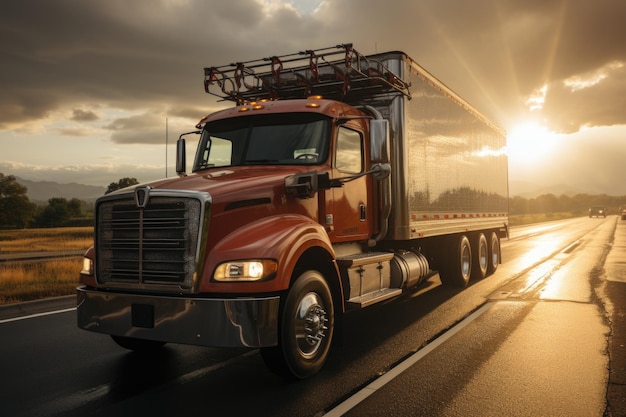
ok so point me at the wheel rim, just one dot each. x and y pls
(495, 253)
(466, 260)
(482, 254)
(311, 319)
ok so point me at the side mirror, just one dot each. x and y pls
(379, 141)
(181, 157)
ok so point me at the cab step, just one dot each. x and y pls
(373, 297)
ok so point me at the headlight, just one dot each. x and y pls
(250, 270)
(87, 267)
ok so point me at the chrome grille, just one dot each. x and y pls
(151, 246)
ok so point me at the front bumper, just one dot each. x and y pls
(219, 322)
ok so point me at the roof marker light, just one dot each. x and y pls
(201, 122)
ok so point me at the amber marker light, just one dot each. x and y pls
(312, 104)
(201, 122)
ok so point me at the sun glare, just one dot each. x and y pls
(529, 142)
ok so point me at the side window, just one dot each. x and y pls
(219, 153)
(349, 156)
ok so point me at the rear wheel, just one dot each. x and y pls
(494, 253)
(306, 328)
(457, 268)
(480, 263)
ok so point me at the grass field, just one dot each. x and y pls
(45, 240)
(25, 281)
(36, 280)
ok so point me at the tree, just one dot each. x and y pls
(122, 183)
(16, 210)
(58, 212)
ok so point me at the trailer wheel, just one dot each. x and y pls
(494, 253)
(480, 263)
(138, 345)
(458, 268)
(306, 329)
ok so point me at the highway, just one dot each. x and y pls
(529, 340)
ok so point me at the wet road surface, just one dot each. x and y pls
(534, 342)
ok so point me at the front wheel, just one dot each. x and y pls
(306, 328)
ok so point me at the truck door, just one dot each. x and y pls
(350, 209)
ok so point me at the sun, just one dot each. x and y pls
(529, 143)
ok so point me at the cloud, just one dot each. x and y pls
(80, 115)
(150, 128)
(144, 128)
(117, 70)
(75, 131)
(588, 100)
(144, 54)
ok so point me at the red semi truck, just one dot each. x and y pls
(336, 181)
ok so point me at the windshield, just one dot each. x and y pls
(283, 139)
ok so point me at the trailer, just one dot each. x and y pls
(334, 182)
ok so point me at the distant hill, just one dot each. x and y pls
(531, 190)
(45, 190)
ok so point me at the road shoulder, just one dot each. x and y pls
(614, 298)
(28, 308)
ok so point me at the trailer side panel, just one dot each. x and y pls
(450, 165)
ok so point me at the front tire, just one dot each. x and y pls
(306, 328)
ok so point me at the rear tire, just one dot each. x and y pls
(494, 253)
(480, 263)
(457, 268)
(306, 329)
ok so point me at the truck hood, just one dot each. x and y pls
(234, 184)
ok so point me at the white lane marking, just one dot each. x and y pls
(355, 399)
(32, 316)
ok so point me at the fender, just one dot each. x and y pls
(283, 238)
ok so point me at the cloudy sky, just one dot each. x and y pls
(87, 86)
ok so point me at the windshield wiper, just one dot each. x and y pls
(205, 166)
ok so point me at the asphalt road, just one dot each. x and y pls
(533, 339)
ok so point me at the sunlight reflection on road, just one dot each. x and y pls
(542, 249)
